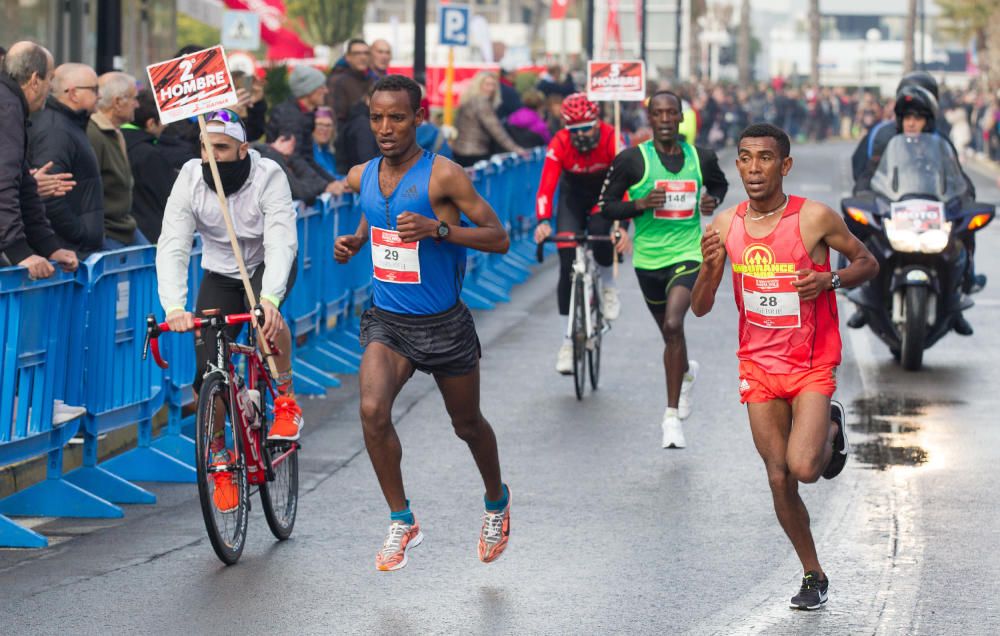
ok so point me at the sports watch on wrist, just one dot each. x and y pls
(442, 232)
(834, 281)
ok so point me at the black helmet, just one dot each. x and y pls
(922, 79)
(919, 100)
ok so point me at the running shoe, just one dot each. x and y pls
(673, 431)
(841, 447)
(402, 538)
(812, 594)
(226, 496)
(287, 419)
(496, 530)
(611, 307)
(564, 362)
(684, 405)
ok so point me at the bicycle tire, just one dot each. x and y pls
(229, 539)
(594, 351)
(579, 340)
(280, 498)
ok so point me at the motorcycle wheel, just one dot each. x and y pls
(914, 330)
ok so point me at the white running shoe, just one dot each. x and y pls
(673, 431)
(611, 307)
(564, 362)
(684, 404)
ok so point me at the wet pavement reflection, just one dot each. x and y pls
(888, 424)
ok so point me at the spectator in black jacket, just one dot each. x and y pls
(296, 116)
(355, 142)
(26, 238)
(59, 134)
(152, 173)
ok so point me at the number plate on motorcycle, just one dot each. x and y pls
(394, 261)
(917, 215)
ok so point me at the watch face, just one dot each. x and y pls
(442, 230)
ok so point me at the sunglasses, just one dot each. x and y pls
(580, 129)
(225, 115)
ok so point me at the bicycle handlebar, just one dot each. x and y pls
(579, 237)
(154, 330)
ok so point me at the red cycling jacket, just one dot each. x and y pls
(585, 172)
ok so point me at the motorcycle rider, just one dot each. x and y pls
(916, 111)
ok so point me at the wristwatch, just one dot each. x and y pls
(834, 281)
(442, 232)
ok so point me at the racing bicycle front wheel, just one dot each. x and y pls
(280, 497)
(579, 338)
(597, 322)
(221, 471)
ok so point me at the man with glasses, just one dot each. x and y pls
(58, 135)
(263, 215)
(670, 184)
(577, 160)
(350, 79)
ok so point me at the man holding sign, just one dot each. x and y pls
(790, 345)
(670, 184)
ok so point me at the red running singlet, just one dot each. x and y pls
(778, 332)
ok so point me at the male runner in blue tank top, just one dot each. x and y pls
(412, 202)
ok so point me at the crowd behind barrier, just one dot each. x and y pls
(78, 338)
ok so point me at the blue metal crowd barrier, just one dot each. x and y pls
(79, 338)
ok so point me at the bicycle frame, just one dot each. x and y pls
(585, 268)
(260, 467)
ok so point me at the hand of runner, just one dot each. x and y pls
(273, 322)
(624, 243)
(811, 283)
(713, 252)
(346, 246)
(66, 258)
(543, 231)
(708, 204)
(653, 200)
(180, 320)
(413, 227)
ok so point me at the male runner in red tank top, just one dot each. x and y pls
(779, 246)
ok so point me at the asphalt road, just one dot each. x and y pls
(610, 533)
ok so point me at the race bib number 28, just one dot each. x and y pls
(394, 261)
(772, 302)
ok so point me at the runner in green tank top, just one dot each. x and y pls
(670, 184)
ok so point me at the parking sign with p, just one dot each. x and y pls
(453, 25)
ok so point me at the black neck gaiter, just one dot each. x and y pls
(233, 174)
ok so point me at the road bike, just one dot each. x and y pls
(233, 417)
(586, 324)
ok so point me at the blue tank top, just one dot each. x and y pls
(419, 278)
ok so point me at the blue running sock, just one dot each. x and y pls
(500, 504)
(403, 515)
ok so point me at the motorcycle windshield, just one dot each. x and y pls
(923, 164)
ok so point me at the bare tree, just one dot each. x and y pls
(909, 32)
(744, 43)
(814, 36)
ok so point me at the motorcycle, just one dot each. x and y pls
(916, 217)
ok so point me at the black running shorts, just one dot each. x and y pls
(444, 344)
(657, 283)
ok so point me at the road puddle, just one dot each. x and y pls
(889, 424)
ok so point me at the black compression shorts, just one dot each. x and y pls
(657, 283)
(444, 344)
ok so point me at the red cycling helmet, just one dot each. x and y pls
(577, 109)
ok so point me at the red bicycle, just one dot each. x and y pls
(232, 419)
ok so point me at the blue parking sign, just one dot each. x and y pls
(453, 25)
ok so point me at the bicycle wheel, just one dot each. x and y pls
(280, 498)
(594, 350)
(227, 530)
(579, 339)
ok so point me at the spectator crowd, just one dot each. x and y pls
(86, 165)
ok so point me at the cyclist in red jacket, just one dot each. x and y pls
(577, 161)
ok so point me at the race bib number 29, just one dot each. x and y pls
(394, 261)
(772, 302)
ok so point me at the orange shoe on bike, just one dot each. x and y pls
(226, 495)
(287, 420)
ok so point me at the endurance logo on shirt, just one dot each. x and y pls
(758, 260)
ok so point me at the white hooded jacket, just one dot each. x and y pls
(264, 219)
